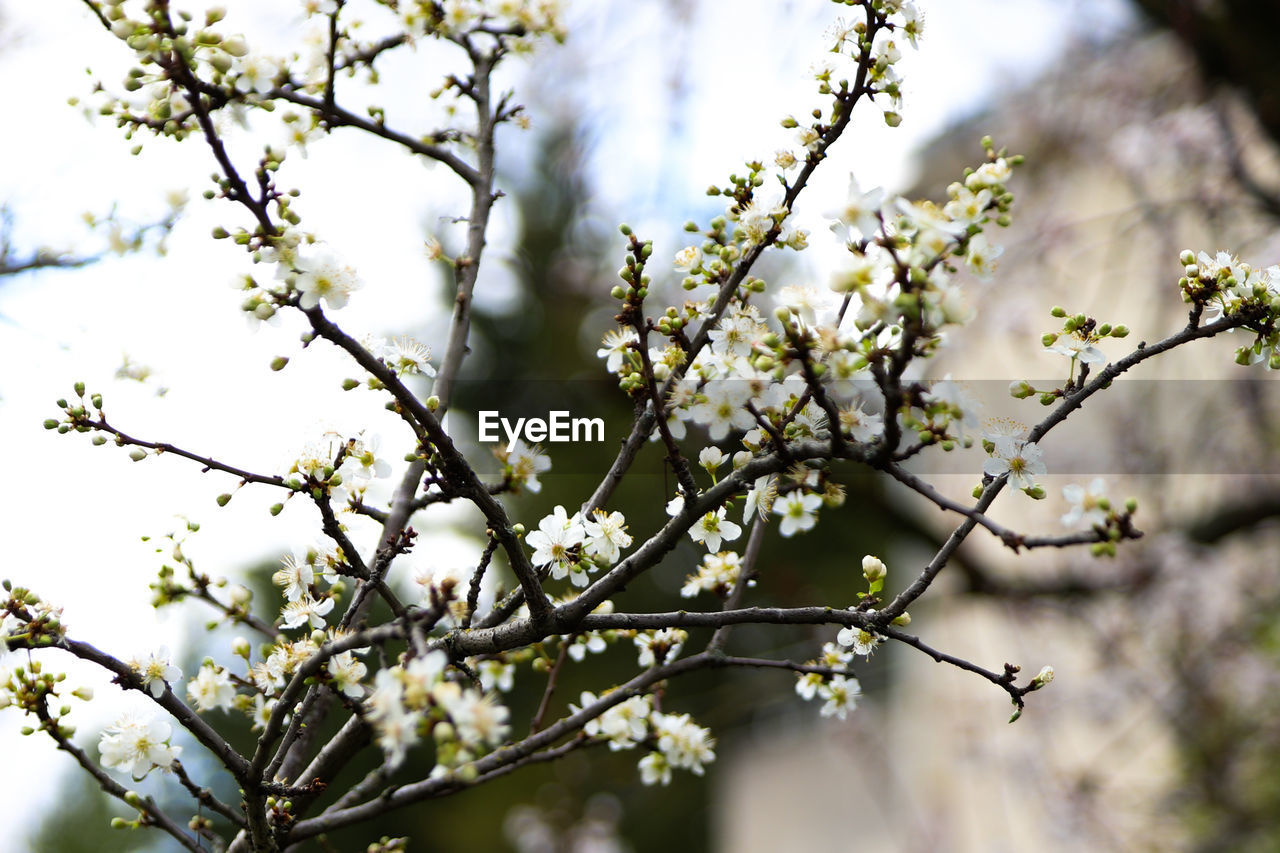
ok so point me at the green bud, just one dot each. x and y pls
(1121, 331)
(1058, 311)
(1104, 330)
(1035, 492)
(50, 423)
(349, 384)
(276, 509)
(1047, 399)
(224, 499)
(625, 229)
(433, 403)
(79, 386)
(1049, 339)
(1131, 506)
(278, 363)
(1187, 257)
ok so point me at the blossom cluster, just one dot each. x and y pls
(414, 698)
(574, 547)
(676, 741)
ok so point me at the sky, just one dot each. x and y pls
(675, 96)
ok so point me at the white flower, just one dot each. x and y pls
(797, 512)
(155, 671)
(989, 175)
(860, 212)
(588, 642)
(718, 574)
(841, 695)
(967, 206)
(138, 744)
(981, 257)
(407, 357)
(654, 769)
(807, 685)
(711, 458)
(758, 218)
(682, 742)
(322, 276)
(397, 732)
(526, 464)
(616, 344)
(1074, 345)
(1085, 504)
(362, 463)
(552, 542)
(723, 408)
(804, 302)
(211, 689)
(608, 535)
(346, 672)
(477, 719)
(859, 424)
(296, 576)
(658, 647)
(306, 610)
(964, 407)
(860, 640)
(688, 258)
(760, 498)
(712, 528)
(1021, 460)
(257, 74)
(866, 269)
(496, 675)
(625, 724)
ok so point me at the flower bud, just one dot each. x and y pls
(137, 454)
(873, 569)
(1021, 389)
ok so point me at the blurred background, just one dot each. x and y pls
(1149, 126)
